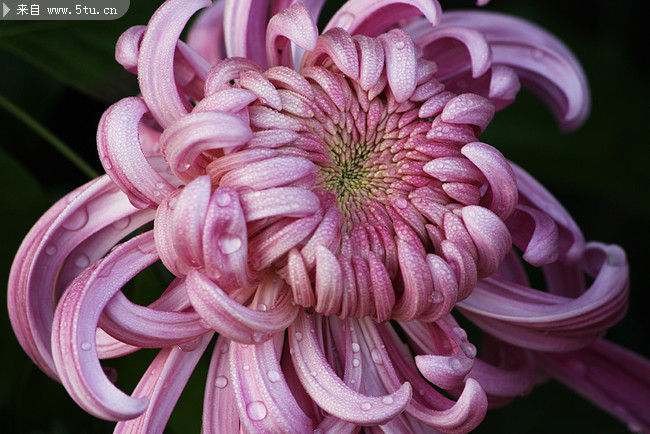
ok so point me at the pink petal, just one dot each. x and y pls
(156, 60)
(293, 24)
(372, 17)
(234, 320)
(328, 390)
(74, 324)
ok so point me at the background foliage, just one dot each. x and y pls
(63, 75)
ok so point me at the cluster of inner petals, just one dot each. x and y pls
(358, 181)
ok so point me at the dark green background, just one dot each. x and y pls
(64, 75)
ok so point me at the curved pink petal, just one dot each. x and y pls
(74, 324)
(244, 26)
(503, 192)
(220, 414)
(372, 17)
(156, 60)
(614, 378)
(400, 63)
(264, 399)
(78, 230)
(184, 141)
(206, 36)
(328, 390)
(335, 45)
(544, 321)
(571, 242)
(146, 327)
(293, 24)
(231, 319)
(542, 62)
(162, 384)
(122, 156)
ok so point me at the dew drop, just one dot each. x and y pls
(229, 244)
(77, 220)
(183, 167)
(247, 367)
(460, 332)
(106, 162)
(298, 336)
(220, 382)
(51, 250)
(469, 350)
(86, 346)
(223, 349)
(262, 307)
(314, 373)
(436, 297)
(274, 376)
(455, 364)
(223, 199)
(376, 356)
(387, 400)
(356, 363)
(366, 406)
(81, 260)
(122, 223)
(258, 337)
(400, 45)
(355, 347)
(256, 410)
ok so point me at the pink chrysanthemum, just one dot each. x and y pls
(323, 201)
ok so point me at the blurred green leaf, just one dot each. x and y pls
(78, 53)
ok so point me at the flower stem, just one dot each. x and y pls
(49, 137)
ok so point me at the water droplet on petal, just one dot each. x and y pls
(223, 199)
(122, 223)
(436, 297)
(366, 406)
(355, 362)
(376, 356)
(355, 347)
(258, 337)
(460, 332)
(262, 307)
(51, 250)
(387, 400)
(106, 162)
(247, 367)
(221, 382)
(469, 350)
(86, 346)
(298, 336)
(183, 167)
(229, 244)
(455, 364)
(314, 373)
(77, 220)
(256, 410)
(273, 376)
(81, 260)
(400, 45)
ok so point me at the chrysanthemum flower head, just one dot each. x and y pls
(321, 201)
